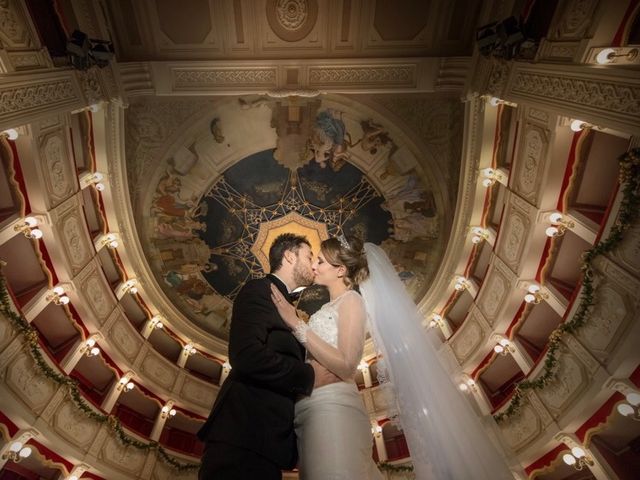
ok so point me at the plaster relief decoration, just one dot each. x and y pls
(493, 294)
(25, 98)
(467, 340)
(522, 429)
(124, 339)
(7, 332)
(14, 32)
(611, 313)
(124, 458)
(570, 380)
(159, 369)
(199, 393)
(55, 168)
(254, 167)
(77, 429)
(292, 20)
(162, 471)
(530, 166)
(573, 19)
(628, 253)
(29, 385)
(98, 295)
(75, 241)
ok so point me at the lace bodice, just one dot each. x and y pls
(325, 321)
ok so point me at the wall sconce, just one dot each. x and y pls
(504, 347)
(156, 322)
(226, 366)
(57, 296)
(436, 320)
(130, 287)
(631, 409)
(125, 384)
(28, 228)
(96, 180)
(189, 349)
(577, 459)
(17, 451)
(559, 225)
(167, 411)
(362, 366)
(489, 177)
(461, 283)
(10, 134)
(479, 234)
(468, 384)
(376, 429)
(495, 101)
(110, 240)
(608, 55)
(89, 348)
(535, 295)
(578, 125)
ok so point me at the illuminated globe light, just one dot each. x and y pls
(552, 231)
(498, 349)
(569, 459)
(578, 452)
(605, 56)
(633, 398)
(30, 221)
(463, 387)
(577, 125)
(530, 298)
(15, 447)
(36, 233)
(94, 351)
(11, 133)
(494, 101)
(625, 410)
(555, 217)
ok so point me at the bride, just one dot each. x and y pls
(444, 435)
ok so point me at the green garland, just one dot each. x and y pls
(389, 467)
(629, 177)
(31, 339)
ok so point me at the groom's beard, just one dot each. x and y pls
(303, 277)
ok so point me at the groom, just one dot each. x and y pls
(249, 433)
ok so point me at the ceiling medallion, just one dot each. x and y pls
(292, 13)
(292, 20)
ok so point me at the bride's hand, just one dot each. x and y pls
(285, 309)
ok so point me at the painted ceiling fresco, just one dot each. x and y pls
(239, 172)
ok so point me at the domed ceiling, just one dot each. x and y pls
(214, 180)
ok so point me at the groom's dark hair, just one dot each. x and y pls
(282, 243)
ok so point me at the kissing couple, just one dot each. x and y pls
(291, 399)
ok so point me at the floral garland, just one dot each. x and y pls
(31, 338)
(629, 177)
(389, 467)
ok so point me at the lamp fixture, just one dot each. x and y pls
(57, 296)
(534, 295)
(558, 225)
(125, 384)
(167, 411)
(96, 180)
(468, 384)
(89, 348)
(461, 283)
(577, 459)
(376, 429)
(489, 177)
(226, 366)
(156, 322)
(17, 451)
(436, 320)
(479, 234)
(10, 133)
(608, 55)
(631, 408)
(189, 349)
(110, 240)
(130, 287)
(28, 228)
(504, 347)
(362, 366)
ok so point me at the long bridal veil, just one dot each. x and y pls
(445, 437)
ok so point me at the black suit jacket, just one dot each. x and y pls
(255, 406)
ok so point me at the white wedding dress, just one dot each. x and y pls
(332, 425)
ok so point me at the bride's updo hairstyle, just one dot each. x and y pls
(352, 257)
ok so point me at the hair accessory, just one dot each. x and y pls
(343, 241)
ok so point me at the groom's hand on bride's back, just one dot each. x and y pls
(322, 375)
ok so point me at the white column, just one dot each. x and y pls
(151, 324)
(379, 441)
(161, 419)
(187, 350)
(116, 389)
(366, 375)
